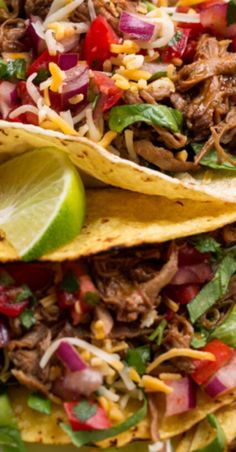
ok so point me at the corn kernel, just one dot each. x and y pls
(169, 376)
(77, 307)
(182, 156)
(104, 403)
(76, 99)
(117, 365)
(142, 84)
(177, 61)
(170, 71)
(172, 305)
(97, 328)
(133, 61)
(133, 374)
(110, 378)
(85, 355)
(116, 415)
(135, 74)
(127, 47)
(133, 87)
(153, 384)
(121, 82)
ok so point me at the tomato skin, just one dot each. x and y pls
(183, 294)
(177, 49)
(26, 118)
(35, 276)
(110, 93)
(206, 369)
(99, 421)
(98, 40)
(42, 62)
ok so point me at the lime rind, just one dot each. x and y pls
(42, 202)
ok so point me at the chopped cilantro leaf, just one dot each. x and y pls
(206, 244)
(70, 282)
(24, 294)
(231, 12)
(158, 332)
(176, 38)
(84, 410)
(92, 298)
(13, 69)
(38, 403)
(138, 357)
(5, 278)
(27, 319)
(42, 75)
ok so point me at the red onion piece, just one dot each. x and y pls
(193, 274)
(4, 335)
(75, 384)
(223, 380)
(76, 82)
(183, 397)
(70, 357)
(135, 27)
(36, 43)
(67, 60)
(8, 98)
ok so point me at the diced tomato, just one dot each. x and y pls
(206, 369)
(12, 309)
(188, 255)
(213, 17)
(36, 276)
(98, 40)
(183, 294)
(190, 51)
(195, 29)
(169, 314)
(86, 295)
(42, 62)
(98, 421)
(28, 118)
(110, 93)
(176, 47)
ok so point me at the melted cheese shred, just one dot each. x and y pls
(176, 352)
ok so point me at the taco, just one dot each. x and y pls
(132, 340)
(141, 97)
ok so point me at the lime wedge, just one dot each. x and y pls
(42, 202)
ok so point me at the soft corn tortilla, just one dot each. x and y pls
(116, 218)
(111, 169)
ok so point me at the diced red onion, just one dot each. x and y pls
(183, 397)
(76, 82)
(223, 380)
(67, 60)
(193, 274)
(8, 98)
(75, 384)
(4, 335)
(135, 27)
(70, 357)
(70, 43)
(37, 43)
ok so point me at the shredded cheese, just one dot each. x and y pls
(189, 2)
(91, 10)
(124, 374)
(110, 358)
(57, 77)
(129, 141)
(23, 109)
(110, 395)
(52, 44)
(169, 376)
(156, 447)
(46, 97)
(63, 12)
(107, 139)
(175, 352)
(135, 74)
(153, 384)
(31, 88)
(128, 46)
(66, 115)
(94, 133)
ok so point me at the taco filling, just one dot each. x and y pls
(154, 85)
(124, 336)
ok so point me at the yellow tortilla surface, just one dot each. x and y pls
(119, 218)
(113, 170)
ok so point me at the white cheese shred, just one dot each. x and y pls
(63, 12)
(107, 357)
(103, 391)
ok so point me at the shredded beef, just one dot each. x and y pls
(12, 32)
(161, 157)
(13, 8)
(179, 335)
(38, 8)
(229, 234)
(31, 382)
